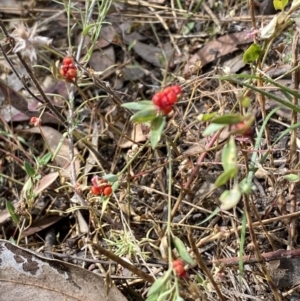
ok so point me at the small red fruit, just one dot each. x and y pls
(166, 110)
(164, 102)
(71, 74)
(177, 90)
(156, 99)
(179, 268)
(95, 190)
(168, 89)
(172, 97)
(35, 121)
(62, 72)
(107, 191)
(67, 61)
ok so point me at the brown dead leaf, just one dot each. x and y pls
(41, 224)
(28, 276)
(45, 182)
(217, 48)
(136, 134)
(107, 35)
(102, 60)
(285, 272)
(14, 100)
(53, 139)
(154, 55)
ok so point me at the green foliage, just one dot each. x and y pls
(212, 128)
(160, 283)
(147, 113)
(12, 212)
(139, 106)
(252, 53)
(29, 169)
(230, 198)
(228, 119)
(182, 251)
(280, 4)
(144, 115)
(111, 178)
(157, 127)
(292, 177)
(229, 163)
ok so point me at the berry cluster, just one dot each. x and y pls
(165, 99)
(100, 187)
(68, 69)
(179, 268)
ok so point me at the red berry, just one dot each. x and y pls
(166, 110)
(177, 90)
(168, 89)
(172, 97)
(179, 268)
(67, 61)
(107, 191)
(95, 190)
(156, 99)
(164, 102)
(35, 121)
(71, 74)
(177, 262)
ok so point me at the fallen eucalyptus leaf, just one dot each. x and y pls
(28, 276)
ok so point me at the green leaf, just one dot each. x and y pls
(188, 27)
(115, 186)
(152, 297)
(45, 159)
(28, 185)
(11, 210)
(264, 92)
(29, 169)
(111, 178)
(252, 53)
(246, 187)
(230, 198)
(292, 177)
(160, 283)
(206, 117)
(105, 201)
(228, 119)
(215, 212)
(138, 106)
(183, 253)
(157, 127)
(280, 4)
(225, 177)
(163, 296)
(144, 116)
(229, 155)
(212, 128)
